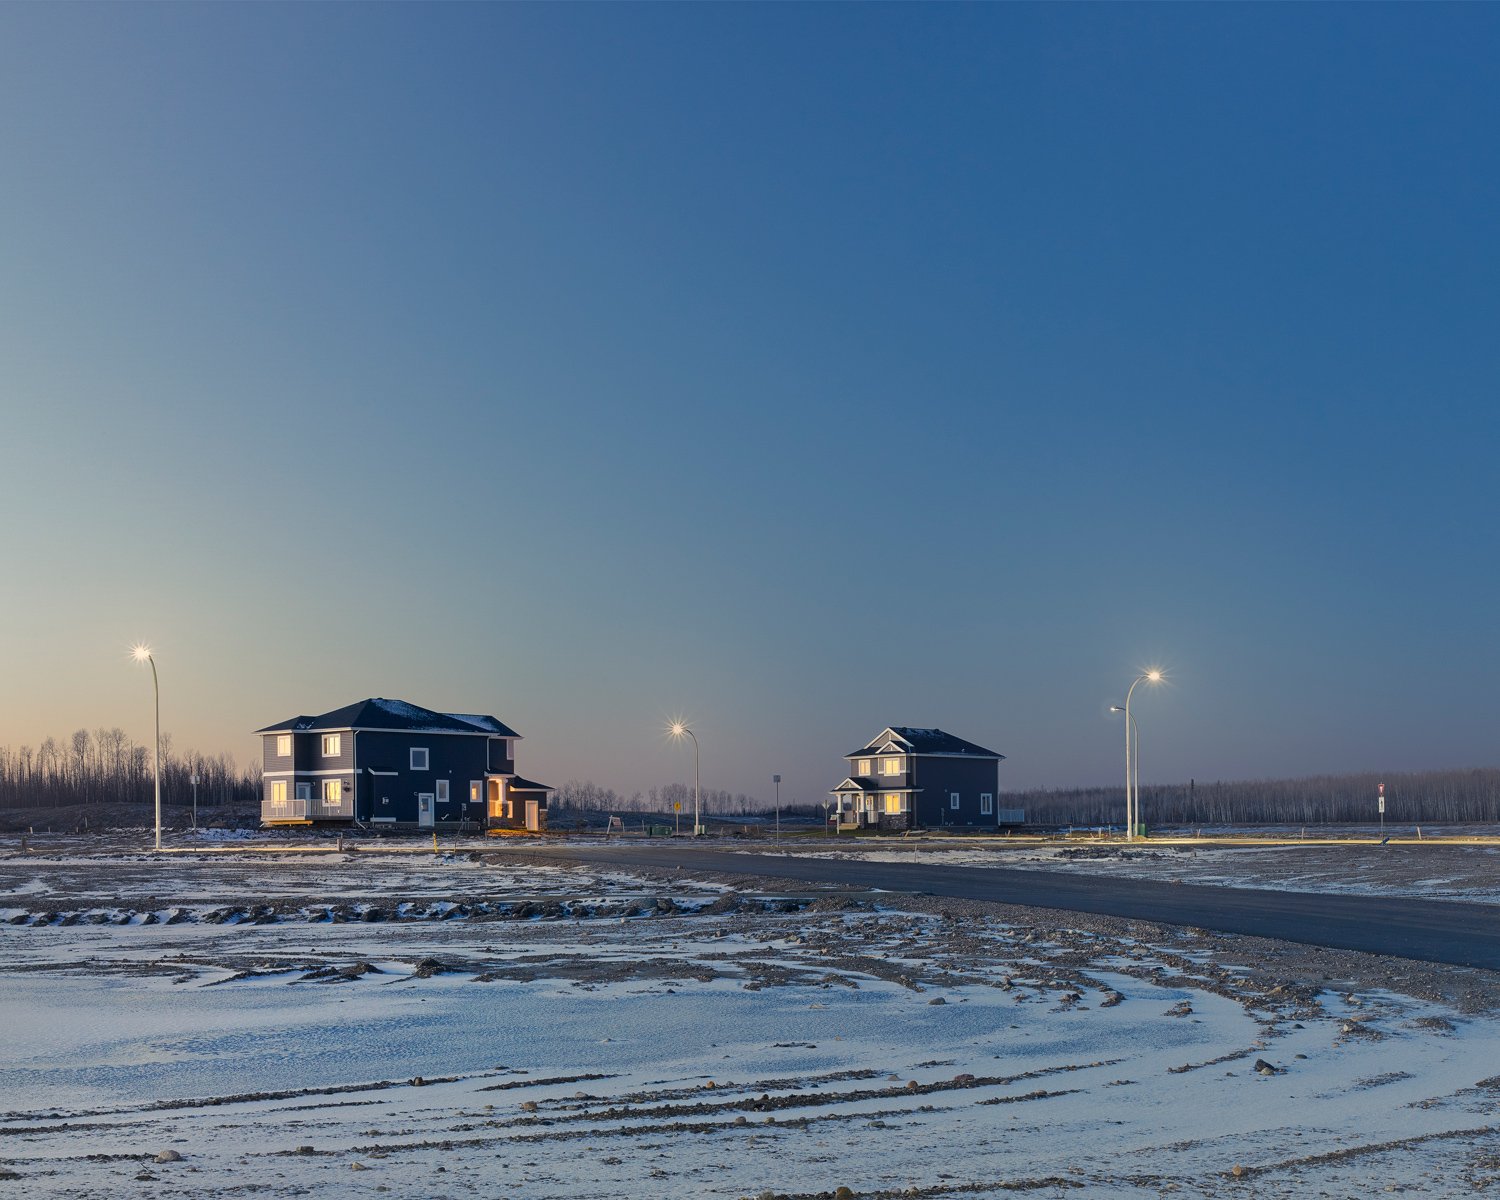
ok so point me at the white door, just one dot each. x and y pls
(424, 809)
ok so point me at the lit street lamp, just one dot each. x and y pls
(142, 653)
(1132, 798)
(678, 729)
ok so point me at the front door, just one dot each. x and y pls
(424, 809)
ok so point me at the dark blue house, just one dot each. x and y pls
(908, 778)
(386, 762)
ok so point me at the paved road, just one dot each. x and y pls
(1430, 930)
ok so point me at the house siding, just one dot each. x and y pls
(939, 776)
(501, 761)
(458, 758)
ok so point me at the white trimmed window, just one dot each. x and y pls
(986, 804)
(332, 744)
(333, 791)
(952, 799)
(283, 745)
(892, 766)
(278, 791)
(864, 767)
(893, 802)
(442, 791)
(419, 758)
(475, 793)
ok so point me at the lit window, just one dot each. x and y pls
(892, 766)
(284, 745)
(864, 767)
(952, 799)
(333, 790)
(419, 758)
(442, 791)
(473, 791)
(986, 803)
(278, 791)
(331, 744)
(893, 802)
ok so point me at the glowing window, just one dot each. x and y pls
(893, 802)
(864, 767)
(331, 744)
(278, 791)
(284, 745)
(892, 766)
(333, 790)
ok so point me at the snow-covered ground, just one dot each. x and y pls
(1433, 871)
(476, 1026)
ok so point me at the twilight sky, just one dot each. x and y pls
(798, 370)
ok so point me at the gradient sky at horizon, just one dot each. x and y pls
(796, 370)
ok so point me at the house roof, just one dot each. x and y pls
(917, 740)
(858, 783)
(380, 713)
(489, 724)
(517, 784)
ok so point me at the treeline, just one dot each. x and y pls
(590, 797)
(106, 767)
(1410, 798)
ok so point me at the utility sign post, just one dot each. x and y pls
(1381, 803)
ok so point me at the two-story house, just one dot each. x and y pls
(907, 778)
(386, 762)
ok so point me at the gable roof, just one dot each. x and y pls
(918, 740)
(380, 713)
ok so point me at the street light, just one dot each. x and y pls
(678, 729)
(1135, 782)
(1132, 800)
(142, 653)
(776, 779)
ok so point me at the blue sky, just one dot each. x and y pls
(799, 370)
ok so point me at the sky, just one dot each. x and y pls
(794, 370)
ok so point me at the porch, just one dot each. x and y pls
(513, 804)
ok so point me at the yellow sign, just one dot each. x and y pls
(676, 805)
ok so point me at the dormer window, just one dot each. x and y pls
(332, 743)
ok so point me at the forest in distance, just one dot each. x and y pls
(105, 767)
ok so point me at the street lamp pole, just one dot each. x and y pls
(1132, 760)
(776, 779)
(143, 654)
(1132, 798)
(678, 729)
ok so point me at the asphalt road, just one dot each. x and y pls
(1430, 930)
